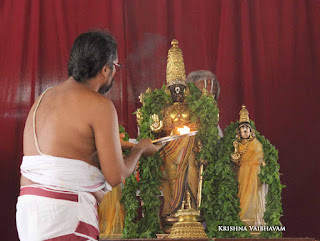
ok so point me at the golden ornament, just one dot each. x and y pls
(187, 225)
(148, 91)
(244, 115)
(176, 73)
(139, 116)
(141, 97)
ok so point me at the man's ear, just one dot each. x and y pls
(106, 71)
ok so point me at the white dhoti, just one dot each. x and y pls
(61, 207)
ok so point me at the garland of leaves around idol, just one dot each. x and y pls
(149, 184)
(270, 175)
(131, 205)
(220, 202)
(222, 187)
(204, 112)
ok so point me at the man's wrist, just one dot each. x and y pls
(137, 149)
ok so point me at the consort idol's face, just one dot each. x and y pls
(245, 131)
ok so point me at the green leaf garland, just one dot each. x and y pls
(270, 174)
(204, 112)
(221, 202)
(131, 204)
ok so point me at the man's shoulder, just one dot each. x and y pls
(83, 103)
(101, 110)
(102, 103)
(93, 99)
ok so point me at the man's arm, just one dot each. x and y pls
(106, 133)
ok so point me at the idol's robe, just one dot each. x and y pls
(111, 214)
(179, 174)
(252, 193)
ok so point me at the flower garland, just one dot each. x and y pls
(204, 112)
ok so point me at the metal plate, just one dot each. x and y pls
(172, 138)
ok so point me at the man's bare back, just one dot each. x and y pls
(74, 124)
(74, 121)
(64, 123)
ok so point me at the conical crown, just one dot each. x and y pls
(244, 115)
(176, 73)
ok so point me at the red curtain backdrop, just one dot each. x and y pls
(265, 54)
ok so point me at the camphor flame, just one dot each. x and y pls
(184, 130)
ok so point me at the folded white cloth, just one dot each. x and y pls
(75, 175)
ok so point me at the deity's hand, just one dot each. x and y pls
(157, 124)
(199, 145)
(155, 118)
(125, 145)
(200, 162)
(236, 155)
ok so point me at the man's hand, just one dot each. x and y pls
(147, 148)
(125, 145)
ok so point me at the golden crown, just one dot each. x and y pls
(176, 73)
(244, 115)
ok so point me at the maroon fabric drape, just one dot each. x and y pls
(265, 54)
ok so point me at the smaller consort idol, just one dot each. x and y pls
(248, 154)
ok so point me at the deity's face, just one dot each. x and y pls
(208, 84)
(177, 91)
(245, 131)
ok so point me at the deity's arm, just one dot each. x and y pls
(198, 146)
(235, 156)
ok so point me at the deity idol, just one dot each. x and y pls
(179, 170)
(249, 156)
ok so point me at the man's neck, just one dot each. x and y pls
(93, 83)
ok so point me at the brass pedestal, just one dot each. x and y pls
(167, 223)
(187, 225)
